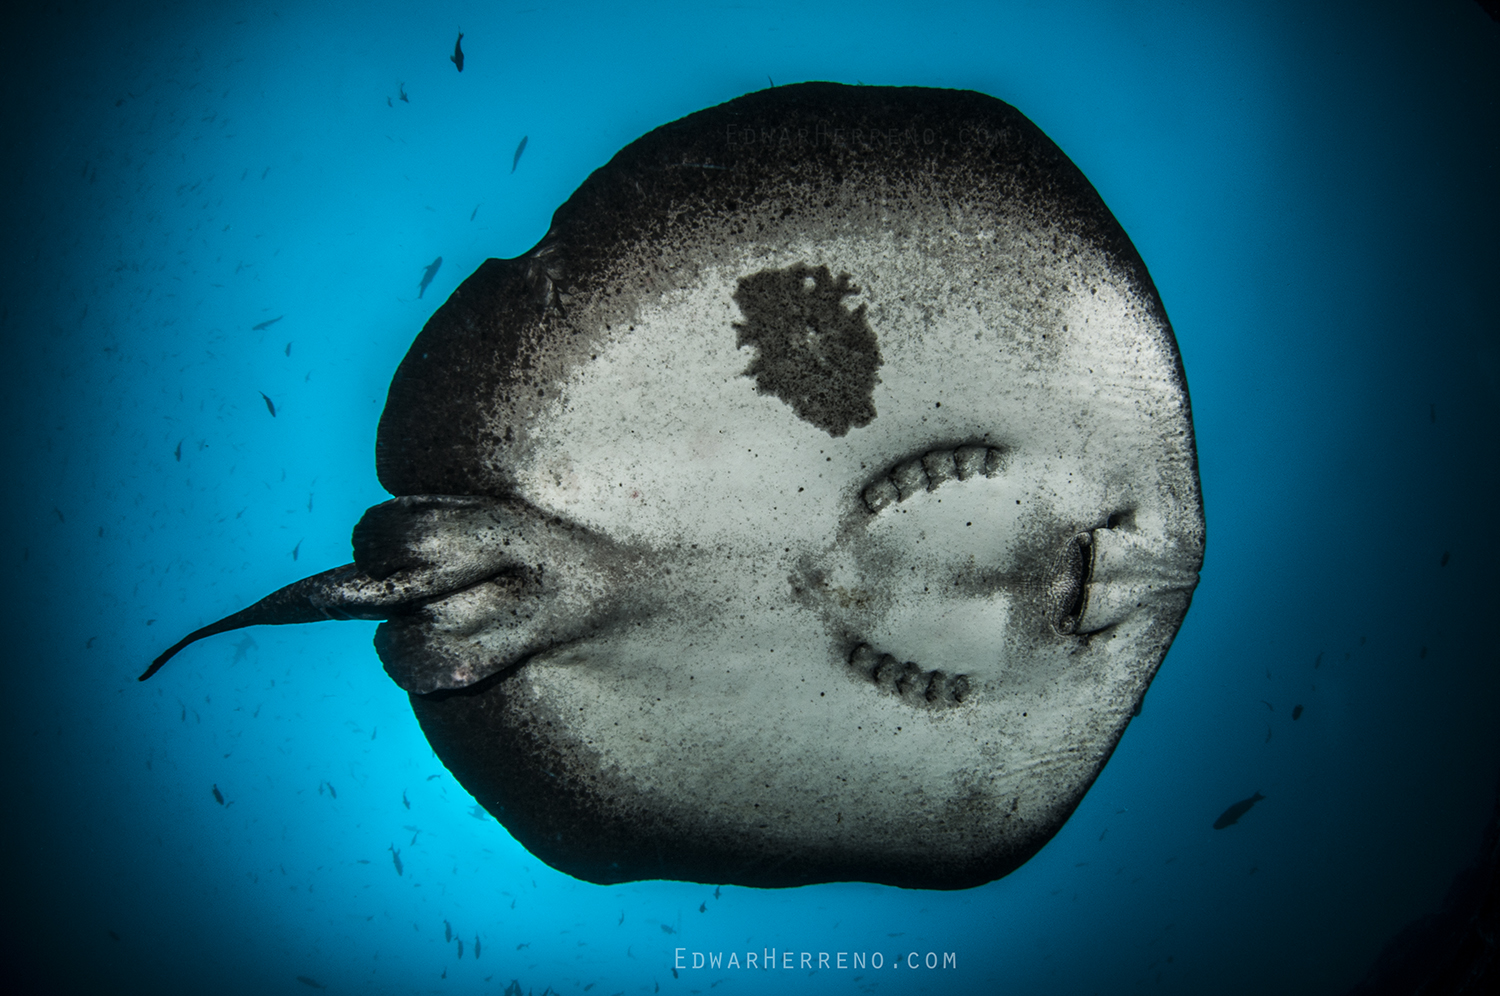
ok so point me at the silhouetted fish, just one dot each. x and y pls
(460, 947)
(311, 982)
(668, 930)
(1296, 712)
(476, 206)
(218, 796)
(178, 451)
(1232, 815)
(402, 88)
(429, 272)
(457, 58)
(404, 800)
(516, 161)
(269, 406)
(396, 858)
(447, 932)
(266, 324)
(476, 947)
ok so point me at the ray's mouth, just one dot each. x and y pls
(1067, 581)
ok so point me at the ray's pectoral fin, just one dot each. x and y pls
(468, 585)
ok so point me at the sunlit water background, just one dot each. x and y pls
(1313, 189)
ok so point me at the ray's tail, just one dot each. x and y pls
(322, 596)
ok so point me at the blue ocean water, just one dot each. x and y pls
(1313, 187)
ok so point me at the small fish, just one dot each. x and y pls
(622, 918)
(310, 982)
(396, 858)
(90, 645)
(525, 945)
(61, 519)
(388, 102)
(374, 730)
(703, 907)
(1267, 705)
(269, 406)
(402, 88)
(1296, 712)
(1319, 661)
(331, 791)
(218, 796)
(674, 973)
(457, 58)
(178, 451)
(665, 929)
(445, 972)
(475, 212)
(1232, 815)
(363, 861)
(289, 349)
(296, 548)
(770, 81)
(266, 324)
(428, 273)
(1103, 832)
(460, 948)
(476, 947)
(404, 800)
(1441, 563)
(516, 161)
(431, 777)
(478, 812)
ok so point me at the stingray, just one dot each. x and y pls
(815, 502)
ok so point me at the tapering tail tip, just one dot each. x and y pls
(341, 593)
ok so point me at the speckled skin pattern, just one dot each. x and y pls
(814, 503)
